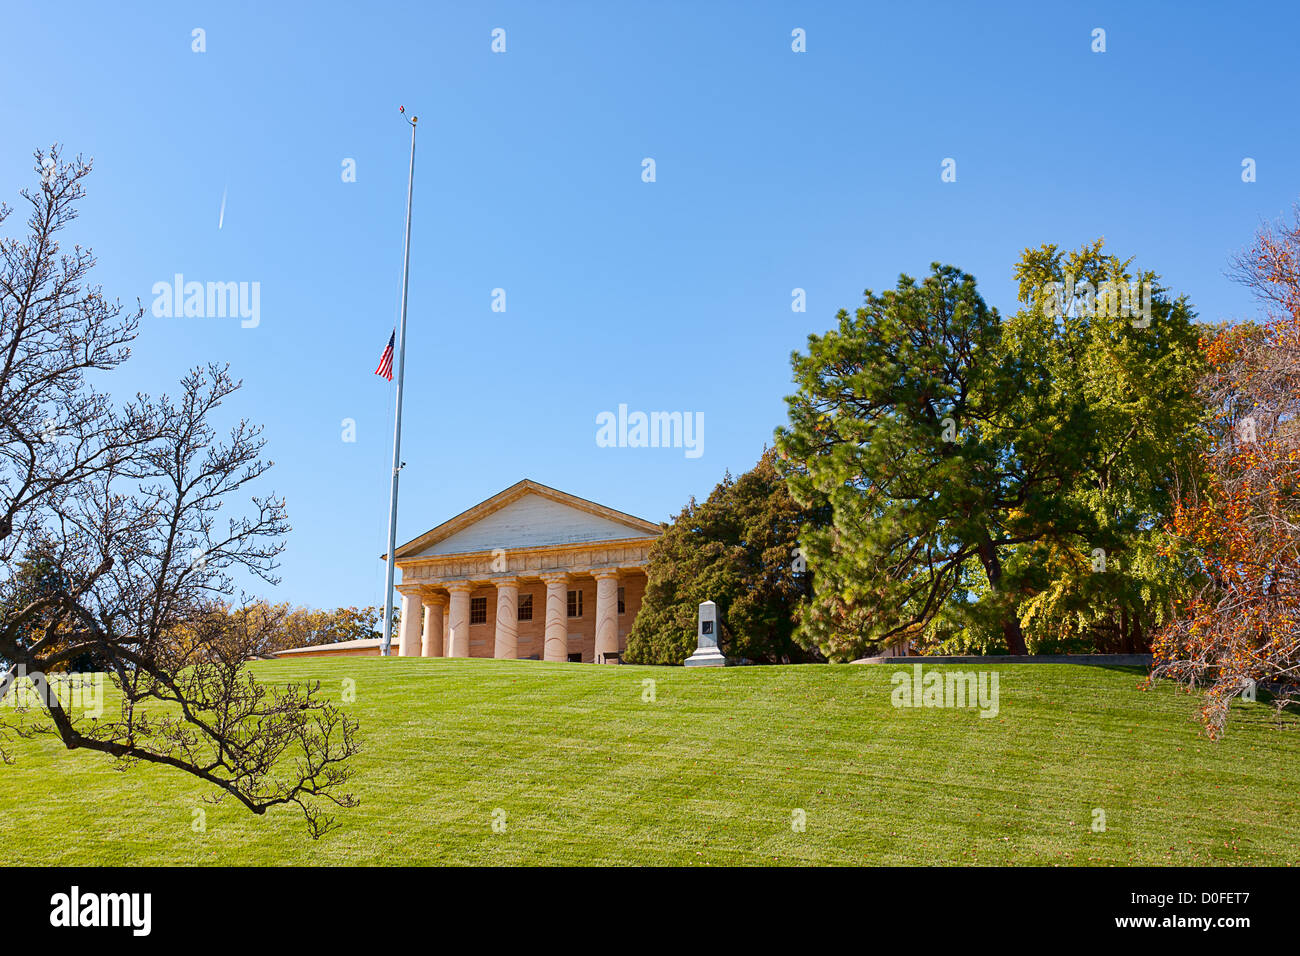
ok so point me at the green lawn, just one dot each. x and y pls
(710, 773)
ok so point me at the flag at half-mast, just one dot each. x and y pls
(386, 360)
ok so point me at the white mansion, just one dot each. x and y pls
(531, 572)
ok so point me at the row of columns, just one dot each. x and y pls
(443, 629)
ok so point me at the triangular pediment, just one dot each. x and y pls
(527, 515)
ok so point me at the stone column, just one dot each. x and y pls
(457, 637)
(606, 612)
(408, 638)
(432, 645)
(557, 616)
(507, 637)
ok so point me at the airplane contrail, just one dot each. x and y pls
(222, 218)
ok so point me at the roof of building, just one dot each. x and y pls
(337, 646)
(629, 526)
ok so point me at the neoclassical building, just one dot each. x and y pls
(531, 572)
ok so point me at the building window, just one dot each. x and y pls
(478, 610)
(575, 604)
(525, 607)
(622, 607)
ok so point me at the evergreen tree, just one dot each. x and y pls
(959, 455)
(35, 576)
(738, 549)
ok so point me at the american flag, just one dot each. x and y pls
(386, 360)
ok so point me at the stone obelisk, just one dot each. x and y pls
(706, 639)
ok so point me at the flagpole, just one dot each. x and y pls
(386, 648)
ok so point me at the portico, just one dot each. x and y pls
(532, 572)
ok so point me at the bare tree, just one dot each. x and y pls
(116, 507)
(1241, 526)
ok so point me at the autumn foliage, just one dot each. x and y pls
(259, 628)
(1241, 631)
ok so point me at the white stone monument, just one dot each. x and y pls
(706, 639)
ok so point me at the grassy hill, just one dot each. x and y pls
(710, 772)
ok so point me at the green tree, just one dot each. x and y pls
(1112, 584)
(35, 577)
(738, 549)
(956, 452)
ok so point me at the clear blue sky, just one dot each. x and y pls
(775, 170)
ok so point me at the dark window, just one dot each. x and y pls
(478, 610)
(525, 607)
(622, 608)
(575, 604)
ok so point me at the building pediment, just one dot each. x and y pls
(527, 515)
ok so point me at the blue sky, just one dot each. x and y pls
(774, 170)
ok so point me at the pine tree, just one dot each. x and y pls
(954, 451)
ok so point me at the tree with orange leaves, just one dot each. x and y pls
(1242, 526)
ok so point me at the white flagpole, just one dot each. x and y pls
(386, 648)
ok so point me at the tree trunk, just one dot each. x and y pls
(1015, 637)
(1011, 631)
